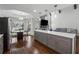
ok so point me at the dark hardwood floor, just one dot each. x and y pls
(43, 49)
(35, 48)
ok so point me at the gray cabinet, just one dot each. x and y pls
(42, 37)
(57, 43)
(61, 44)
(64, 45)
(51, 41)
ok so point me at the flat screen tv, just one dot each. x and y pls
(44, 22)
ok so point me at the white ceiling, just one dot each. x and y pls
(28, 8)
(14, 13)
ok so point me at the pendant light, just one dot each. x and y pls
(75, 6)
(59, 11)
(55, 11)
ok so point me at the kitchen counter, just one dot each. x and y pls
(69, 35)
(59, 41)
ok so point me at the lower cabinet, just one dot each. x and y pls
(41, 37)
(57, 43)
(52, 42)
(60, 44)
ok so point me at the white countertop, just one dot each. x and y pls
(68, 35)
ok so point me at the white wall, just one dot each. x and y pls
(69, 18)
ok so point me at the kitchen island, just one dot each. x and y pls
(59, 41)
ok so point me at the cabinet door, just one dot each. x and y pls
(63, 45)
(36, 35)
(52, 41)
(44, 38)
(41, 37)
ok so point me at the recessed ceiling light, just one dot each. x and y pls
(34, 10)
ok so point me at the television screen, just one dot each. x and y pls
(44, 22)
